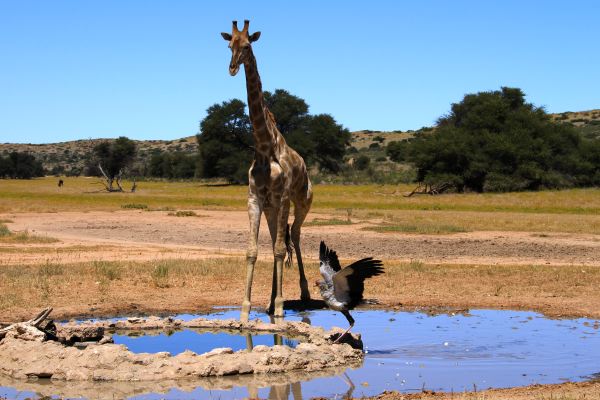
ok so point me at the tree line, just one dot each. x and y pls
(20, 165)
(489, 142)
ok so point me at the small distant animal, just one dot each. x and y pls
(342, 289)
(60, 183)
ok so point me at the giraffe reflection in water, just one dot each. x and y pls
(283, 391)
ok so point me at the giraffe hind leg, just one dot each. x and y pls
(271, 217)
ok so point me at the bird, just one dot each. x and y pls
(342, 289)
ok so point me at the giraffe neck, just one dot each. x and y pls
(264, 138)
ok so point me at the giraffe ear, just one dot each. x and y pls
(254, 37)
(226, 36)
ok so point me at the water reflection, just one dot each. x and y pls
(260, 386)
(197, 340)
(405, 351)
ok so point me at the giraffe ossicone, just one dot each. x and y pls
(277, 177)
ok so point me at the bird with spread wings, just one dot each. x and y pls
(342, 289)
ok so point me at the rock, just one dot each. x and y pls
(219, 351)
(103, 361)
(73, 334)
(26, 332)
(106, 339)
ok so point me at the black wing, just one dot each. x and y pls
(349, 283)
(329, 257)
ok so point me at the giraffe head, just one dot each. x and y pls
(239, 43)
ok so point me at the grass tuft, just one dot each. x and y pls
(323, 222)
(4, 231)
(418, 229)
(137, 206)
(7, 236)
(160, 275)
(183, 214)
(107, 270)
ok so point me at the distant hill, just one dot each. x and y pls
(587, 122)
(72, 156)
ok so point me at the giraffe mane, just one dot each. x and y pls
(270, 116)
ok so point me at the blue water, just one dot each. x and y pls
(197, 341)
(409, 351)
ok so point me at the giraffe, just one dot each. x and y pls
(277, 176)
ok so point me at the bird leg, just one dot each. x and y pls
(350, 320)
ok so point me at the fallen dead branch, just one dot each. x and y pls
(29, 328)
(424, 188)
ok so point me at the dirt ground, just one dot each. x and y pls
(142, 235)
(146, 236)
(556, 274)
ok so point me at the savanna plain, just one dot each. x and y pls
(179, 247)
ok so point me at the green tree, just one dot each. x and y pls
(112, 159)
(496, 141)
(329, 141)
(172, 165)
(362, 162)
(225, 137)
(319, 139)
(225, 142)
(397, 150)
(289, 110)
(20, 165)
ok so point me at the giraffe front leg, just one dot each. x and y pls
(279, 252)
(254, 213)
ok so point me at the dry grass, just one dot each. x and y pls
(470, 221)
(560, 290)
(6, 236)
(180, 285)
(573, 211)
(565, 391)
(328, 221)
(80, 194)
(429, 229)
(184, 213)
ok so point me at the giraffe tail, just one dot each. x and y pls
(289, 247)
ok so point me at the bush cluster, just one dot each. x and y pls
(495, 141)
(20, 165)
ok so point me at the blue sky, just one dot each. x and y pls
(150, 69)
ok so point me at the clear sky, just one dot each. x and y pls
(149, 69)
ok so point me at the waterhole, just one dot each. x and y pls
(198, 341)
(404, 351)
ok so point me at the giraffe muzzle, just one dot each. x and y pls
(233, 69)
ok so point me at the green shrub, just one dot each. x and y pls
(135, 206)
(4, 231)
(362, 162)
(183, 214)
